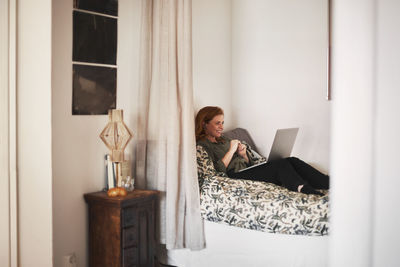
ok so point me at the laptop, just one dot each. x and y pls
(281, 147)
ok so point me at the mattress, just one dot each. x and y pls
(258, 205)
(237, 247)
(251, 223)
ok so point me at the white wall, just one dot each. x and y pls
(77, 149)
(212, 82)
(34, 137)
(386, 134)
(279, 73)
(365, 134)
(353, 85)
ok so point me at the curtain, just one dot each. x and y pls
(166, 147)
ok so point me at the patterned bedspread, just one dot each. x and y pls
(259, 205)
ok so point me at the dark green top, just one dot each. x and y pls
(216, 151)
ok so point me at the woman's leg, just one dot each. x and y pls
(315, 178)
(280, 172)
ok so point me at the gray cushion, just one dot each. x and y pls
(242, 135)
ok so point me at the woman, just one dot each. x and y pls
(230, 156)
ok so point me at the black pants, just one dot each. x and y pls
(288, 172)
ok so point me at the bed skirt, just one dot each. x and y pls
(237, 247)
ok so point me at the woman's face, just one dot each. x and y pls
(215, 127)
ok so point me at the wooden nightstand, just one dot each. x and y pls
(121, 229)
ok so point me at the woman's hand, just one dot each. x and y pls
(232, 150)
(234, 145)
(242, 151)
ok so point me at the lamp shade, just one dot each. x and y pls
(116, 135)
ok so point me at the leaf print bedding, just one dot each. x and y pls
(259, 205)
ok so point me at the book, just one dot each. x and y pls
(117, 173)
(110, 173)
(105, 172)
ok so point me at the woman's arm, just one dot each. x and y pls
(228, 156)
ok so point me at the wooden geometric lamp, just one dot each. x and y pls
(116, 135)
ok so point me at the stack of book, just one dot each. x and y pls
(116, 172)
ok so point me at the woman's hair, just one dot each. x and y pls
(205, 115)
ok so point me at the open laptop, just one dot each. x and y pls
(281, 147)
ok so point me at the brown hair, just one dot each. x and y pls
(205, 115)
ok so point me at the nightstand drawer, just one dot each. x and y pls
(129, 216)
(130, 258)
(129, 237)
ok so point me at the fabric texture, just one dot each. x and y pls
(166, 150)
(259, 205)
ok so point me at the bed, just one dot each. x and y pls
(229, 246)
(251, 223)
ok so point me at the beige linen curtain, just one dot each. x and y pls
(166, 155)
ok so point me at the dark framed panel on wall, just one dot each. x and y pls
(94, 56)
(94, 90)
(94, 38)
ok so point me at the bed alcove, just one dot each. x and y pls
(265, 64)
